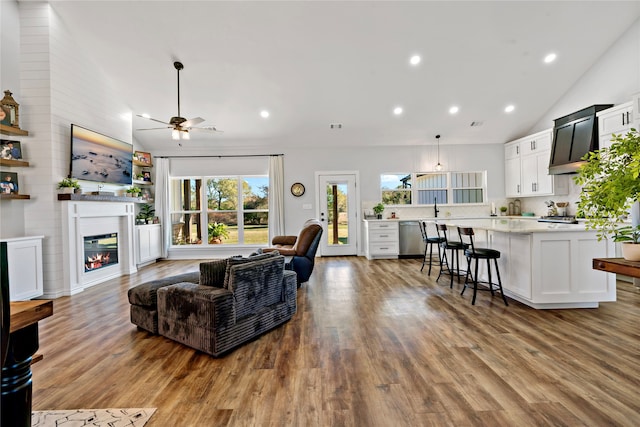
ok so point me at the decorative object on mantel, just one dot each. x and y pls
(68, 186)
(610, 183)
(9, 114)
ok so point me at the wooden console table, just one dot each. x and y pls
(618, 266)
(16, 372)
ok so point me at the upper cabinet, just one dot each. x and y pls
(615, 120)
(527, 168)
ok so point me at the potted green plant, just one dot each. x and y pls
(133, 191)
(68, 185)
(503, 210)
(610, 183)
(217, 231)
(378, 209)
(146, 213)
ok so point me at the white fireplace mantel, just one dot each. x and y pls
(88, 218)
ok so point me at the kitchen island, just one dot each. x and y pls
(546, 265)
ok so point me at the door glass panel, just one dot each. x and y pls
(337, 212)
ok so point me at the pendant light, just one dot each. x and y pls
(438, 166)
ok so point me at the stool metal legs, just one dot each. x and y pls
(490, 284)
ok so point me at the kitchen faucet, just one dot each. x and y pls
(435, 207)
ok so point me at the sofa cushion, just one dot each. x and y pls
(212, 273)
(146, 293)
(240, 260)
(257, 285)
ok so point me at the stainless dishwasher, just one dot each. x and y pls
(411, 245)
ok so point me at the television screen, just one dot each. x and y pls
(97, 157)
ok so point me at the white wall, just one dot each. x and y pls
(57, 86)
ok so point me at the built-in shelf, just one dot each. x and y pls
(14, 197)
(143, 164)
(99, 198)
(14, 163)
(10, 130)
(141, 182)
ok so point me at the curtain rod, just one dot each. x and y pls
(219, 156)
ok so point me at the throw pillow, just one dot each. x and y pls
(213, 273)
(238, 260)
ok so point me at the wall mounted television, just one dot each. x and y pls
(97, 157)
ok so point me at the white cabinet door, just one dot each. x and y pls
(519, 280)
(544, 183)
(615, 120)
(529, 175)
(148, 241)
(512, 177)
(24, 259)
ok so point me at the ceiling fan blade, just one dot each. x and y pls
(192, 122)
(208, 129)
(166, 127)
(154, 120)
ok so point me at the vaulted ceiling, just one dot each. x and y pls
(312, 64)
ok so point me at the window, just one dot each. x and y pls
(396, 189)
(237, 210)
(433, 187)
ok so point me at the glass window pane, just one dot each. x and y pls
(255, 193)
(186, 194)
(222, 194)
(395, 181)
(337, 222)
(399, 197)
(256, 228)
(222, 227)
(185, 229)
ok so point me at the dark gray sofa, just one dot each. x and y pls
(231, 302)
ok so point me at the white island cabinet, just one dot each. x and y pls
(381, 239)
(23, 256)
(547, 265)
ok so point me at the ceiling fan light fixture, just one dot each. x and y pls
(175, 134)
(185, 134)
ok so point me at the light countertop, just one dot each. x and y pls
(501, 224)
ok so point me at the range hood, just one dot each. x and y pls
(574, 135)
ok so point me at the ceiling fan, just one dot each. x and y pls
(179, 125)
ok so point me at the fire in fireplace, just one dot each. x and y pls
(100, 251)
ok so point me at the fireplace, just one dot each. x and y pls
(100, 251)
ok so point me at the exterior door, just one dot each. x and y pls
(338, 214)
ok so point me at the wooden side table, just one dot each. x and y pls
(618, 266)
(16, 372)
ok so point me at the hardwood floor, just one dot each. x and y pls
(374, 343)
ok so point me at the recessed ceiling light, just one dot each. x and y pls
(454, 110)
(550, 58)
(264, 114)
(415, 60)
(509, 108)
(145, 115)
(397, 111)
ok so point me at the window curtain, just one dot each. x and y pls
(162, 202)
(276, 196)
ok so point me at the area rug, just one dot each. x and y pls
(120, 417)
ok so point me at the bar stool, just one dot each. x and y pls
(454, 248)
(429, 241)
(466, 235)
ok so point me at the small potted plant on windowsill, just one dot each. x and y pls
(217, 231)
(610, 183)
(378, 209)
(68, 186)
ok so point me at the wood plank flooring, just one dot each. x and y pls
(374, 343)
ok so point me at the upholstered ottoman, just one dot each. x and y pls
(144, 299)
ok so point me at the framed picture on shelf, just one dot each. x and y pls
(8, 182)
(146, 195)
(10, 150)
(146, 175)
(142, 157)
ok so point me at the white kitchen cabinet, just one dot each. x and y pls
(24, 267)
(615, 120)
(635, 101)
(527, 168)
(381, 239)
(148, 243)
